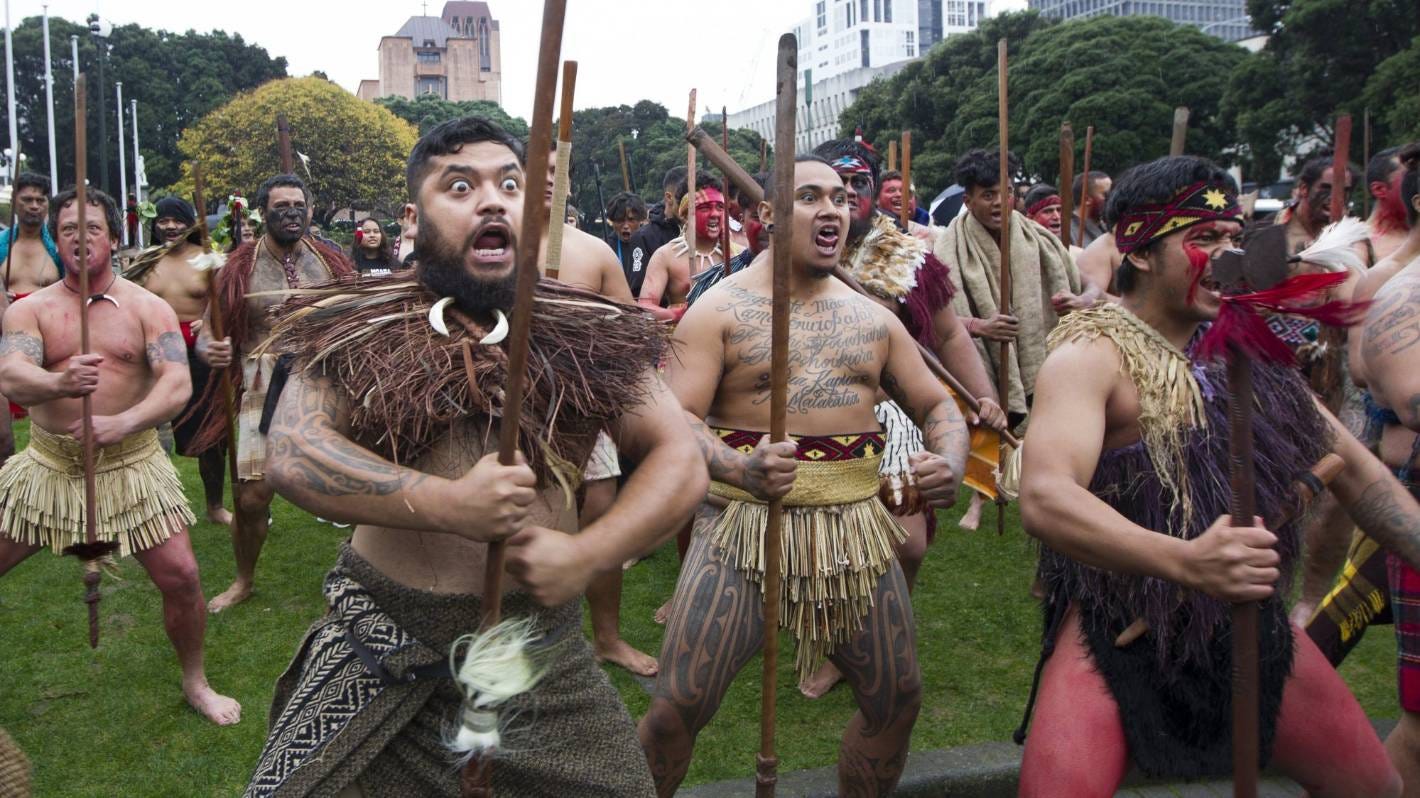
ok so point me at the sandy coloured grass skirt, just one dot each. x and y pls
(139, 496)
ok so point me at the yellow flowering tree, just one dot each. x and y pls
(354, 151)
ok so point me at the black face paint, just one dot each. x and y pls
(278, 218)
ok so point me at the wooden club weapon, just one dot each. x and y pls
(214, 317)
(1365, 160)
(751, 190)
(625, 171)
(477, 774)
(892, 156)
(689, 228)
(92, 548)
(561, 178)
(1180, 130)
(1067, 178)
(283, 141)
(725, 189)
(1006, 190)
(786, 90)
(905, 212)
(1085, 184)
(1325, 377)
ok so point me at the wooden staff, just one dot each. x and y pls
(1340, 167)
(725, 189)
(14, 231)
(283, 140)
(477, 774)
(767, 763)
(625, 170)
(1067, 177)
(1180, 130)
(1326, 374)
(690, 187)
(751, 191)
(561, 179)
(1244, 615)
(1085, 183)
(1007, 192)
(1366, 160)
(91, 549)
(905, 212)
(892, 156)
(763, 154)
(214, 315)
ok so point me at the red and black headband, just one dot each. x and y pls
(1041, 204)
(1200, 202)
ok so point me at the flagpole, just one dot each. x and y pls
(74, 48)
(10, 83)
(49, 99)
(137, 167)
(122, 165)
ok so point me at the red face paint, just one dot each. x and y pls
(754, 232)
(1198, 264)
(709, 205)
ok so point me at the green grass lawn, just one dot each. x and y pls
(112, 722)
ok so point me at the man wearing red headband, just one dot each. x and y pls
(1043, 207)
(1125, 483)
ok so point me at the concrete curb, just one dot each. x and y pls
(983, 770)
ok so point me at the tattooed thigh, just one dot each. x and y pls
(716, 625)
(880, 662)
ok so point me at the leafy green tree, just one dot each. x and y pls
(427, 111)
(176, 79)
(356, 150)
(1123, 75)
(1392, 97)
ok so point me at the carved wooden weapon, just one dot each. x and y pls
(1180, 130)
(1085, 184)
(1007, 193)
(1067, 178)
(725, 189)
(214, 314)
(283, 142)
(905, 212)
(562, 175)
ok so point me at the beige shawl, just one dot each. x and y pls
(1041, 266)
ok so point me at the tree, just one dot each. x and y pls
(1391, 96)
(1124, 75)
(1321, 59)
(356, 150)
(426, 111)
(176, 79)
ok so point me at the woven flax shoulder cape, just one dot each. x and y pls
(407, 385)
(1173, 684)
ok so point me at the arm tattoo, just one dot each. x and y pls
(169, 347)
(24, 343)
(1379, 514)
(726, 465)
(320, 459)
(946, 435)
(1394, 323)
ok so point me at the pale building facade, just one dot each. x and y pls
(455, 56)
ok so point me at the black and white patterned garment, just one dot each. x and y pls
(902, 440)
(368, 701)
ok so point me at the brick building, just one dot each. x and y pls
(454, 56)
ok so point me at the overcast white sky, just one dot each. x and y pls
(627, 50)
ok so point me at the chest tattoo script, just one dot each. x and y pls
(833, 348)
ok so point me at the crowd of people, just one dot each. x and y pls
(646, 419)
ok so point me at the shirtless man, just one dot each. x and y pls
(587, 262)
(1388, 363)
(136, 378)
(166, 269)
(843, 347)
(1388, 221)
(415, 564)
(1119, 415)
(31, 259)
(672, 267)
(282, 259)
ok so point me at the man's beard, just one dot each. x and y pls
(441, 270)
(276, 225)
(858, 226)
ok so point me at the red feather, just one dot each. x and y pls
(1241, 325)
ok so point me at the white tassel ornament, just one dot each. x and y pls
(1334, 250)
(490, 668)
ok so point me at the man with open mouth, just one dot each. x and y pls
(249, 285)
(391, 432)
(673, 266)
(844, 595)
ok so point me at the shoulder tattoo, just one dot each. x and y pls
(28, 345)
(169, 347)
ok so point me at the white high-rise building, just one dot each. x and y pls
(844, 35)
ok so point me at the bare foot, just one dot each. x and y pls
(971, 519)
(235, 594)
(219, 515)
(663, 614)
(823, 680)
(621, 653)
(219, 709)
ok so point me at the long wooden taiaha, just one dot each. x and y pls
(625, 170)
(904, 214)
(786, 92)
(92, 549)
(1085, 185)
(1244, 615)
(751, 190)
(689, 226)
(1067, 177)
(1180, 130)
(562, 179)
(725, 189)
(283, 143)
(14, 208)
(476, 781)
(892, 156)
(1005, 189)
(217, 319)
(1365, 160)
(1326, 373)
